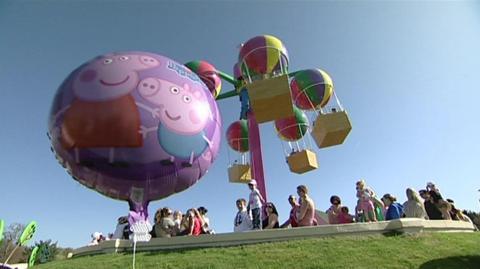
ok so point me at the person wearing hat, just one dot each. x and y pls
(255, 202)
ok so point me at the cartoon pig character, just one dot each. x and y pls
(183, 116)
(104, 114)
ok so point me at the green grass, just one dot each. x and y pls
(431, 250)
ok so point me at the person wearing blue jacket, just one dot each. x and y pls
(395, 210)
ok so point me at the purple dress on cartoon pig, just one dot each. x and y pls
(183, 116)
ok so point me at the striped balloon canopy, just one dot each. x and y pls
(208, 74)
(311, 89)
(237, 136)
(294, 127)
(261, 55)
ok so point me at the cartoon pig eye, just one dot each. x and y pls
(174, 90)
(107, 61)
(124, 58)
(187, 99)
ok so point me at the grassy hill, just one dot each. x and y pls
(430, 250)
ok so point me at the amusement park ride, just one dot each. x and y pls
(139, 126)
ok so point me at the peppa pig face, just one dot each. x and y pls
(111, 76)
(182, 110)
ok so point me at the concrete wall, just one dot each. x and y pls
(251, 237)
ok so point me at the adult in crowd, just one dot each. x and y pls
(365, 202)
(432, 210)
(334, 210)
(292, 220)
(193, 223)
(394, 209)
(122, 231)
(457, 214)
(271, 221)
(306, 214)
(413, 207)
(165, 227)
(243, 220)
(438, 200)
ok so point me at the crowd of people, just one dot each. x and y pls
(426, 204)
(250, 215)
(258, 214)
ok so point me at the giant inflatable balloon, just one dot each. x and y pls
(262, 55)
(208, 74)
(311, 89)
(237, 136)
(292, 128)
(135, 126)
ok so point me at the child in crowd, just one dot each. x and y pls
(255, 203)
(365, 203)
(344, 216)
(243, 220)
(177, 219)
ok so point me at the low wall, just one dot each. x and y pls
(251, 237)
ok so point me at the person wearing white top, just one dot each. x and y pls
(243, 221)
(255, 203)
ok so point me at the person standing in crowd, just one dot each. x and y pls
(306, 214)
(292, 220)
(334, 210)
(413, 207)
(255, 203)
(432, 210)
(271, 221)
(365, 203)
(394, 210)
(243, 221)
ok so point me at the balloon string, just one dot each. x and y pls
(134, 250)
(338, 101)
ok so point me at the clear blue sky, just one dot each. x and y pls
(406, 72)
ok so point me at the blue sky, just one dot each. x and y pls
(407, 73)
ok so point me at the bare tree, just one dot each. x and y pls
(11, 236)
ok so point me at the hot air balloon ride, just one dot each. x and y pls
(293, 129)
(312, 90)
(135, 126)
(237, 138)
(263, 62)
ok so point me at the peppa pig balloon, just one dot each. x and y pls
(135, 126)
